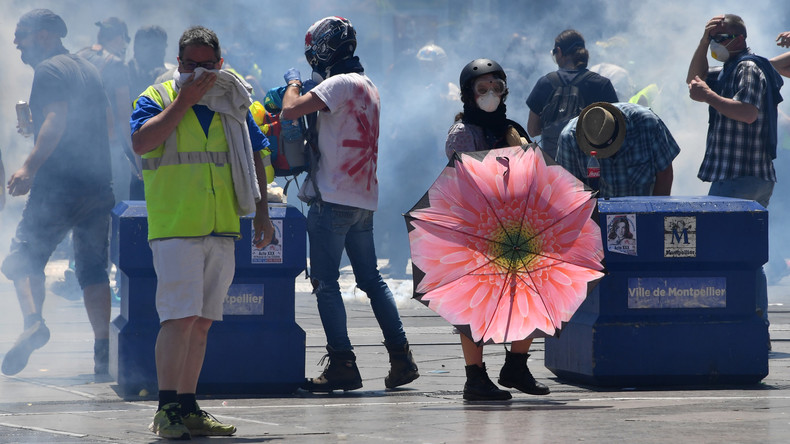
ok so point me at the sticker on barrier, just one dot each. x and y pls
(680, 236)
(272, 253)
(621, 233)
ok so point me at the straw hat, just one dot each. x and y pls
(601, 128)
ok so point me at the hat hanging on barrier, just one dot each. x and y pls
(601, 128)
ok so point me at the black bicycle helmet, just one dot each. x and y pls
(477, 68)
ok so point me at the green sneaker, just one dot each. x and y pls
(168, 424)
(204, 423)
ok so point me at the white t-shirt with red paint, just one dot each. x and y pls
(348, 136)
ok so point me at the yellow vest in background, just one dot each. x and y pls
(188, 184)
(258, 113)
(646, 97)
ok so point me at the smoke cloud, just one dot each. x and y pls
(652, 39)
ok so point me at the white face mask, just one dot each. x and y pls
(719, 51)
(183, 77)
(488, 102)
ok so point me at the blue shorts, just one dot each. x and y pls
(47, 218)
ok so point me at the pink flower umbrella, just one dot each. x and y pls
(503, 245)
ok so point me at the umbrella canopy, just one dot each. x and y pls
(503, 245)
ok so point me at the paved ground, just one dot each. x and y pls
(57, 399)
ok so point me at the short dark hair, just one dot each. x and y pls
(571, 42)
(110, 28)
(200, 36)
(151, 34)
(735, 24)
(39, 19)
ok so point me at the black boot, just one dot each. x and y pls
(515, 374)
(341, 373)
(479, 387)
(403, 369)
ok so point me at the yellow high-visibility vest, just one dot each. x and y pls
(188, 185)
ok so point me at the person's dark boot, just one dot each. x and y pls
(479, 387)
(403, 369)
(341, 373)
(515, 374)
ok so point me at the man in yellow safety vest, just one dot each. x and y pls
(191, 133)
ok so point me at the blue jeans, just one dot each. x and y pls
(753, 188)
(747, 187)
(331, 229)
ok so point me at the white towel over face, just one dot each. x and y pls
(230, 97)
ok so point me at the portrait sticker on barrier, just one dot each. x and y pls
(272, 253)
(621, 233)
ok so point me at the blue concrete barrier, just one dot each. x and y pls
(677, 306)
(257, 349)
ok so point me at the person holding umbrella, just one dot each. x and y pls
(483, 125)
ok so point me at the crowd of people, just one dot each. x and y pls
(108, 130)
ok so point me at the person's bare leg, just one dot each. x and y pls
(172, 347)
(98, 306)
(196, 352)
(478, 386)
(30, 292)
(521, 346)
(473, 354)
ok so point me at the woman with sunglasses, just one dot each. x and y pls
(483, 125)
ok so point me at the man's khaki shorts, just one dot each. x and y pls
(194, 275)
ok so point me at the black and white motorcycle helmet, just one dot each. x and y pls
(328, 41)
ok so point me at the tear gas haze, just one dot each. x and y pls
(652, 39)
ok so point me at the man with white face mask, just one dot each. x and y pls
(187, 141)
(742, 98)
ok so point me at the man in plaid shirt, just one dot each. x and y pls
(742, 99)
(742, 96)
(633, 146)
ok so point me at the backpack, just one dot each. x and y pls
(565, 103)
(293, 145)
(290, 155)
